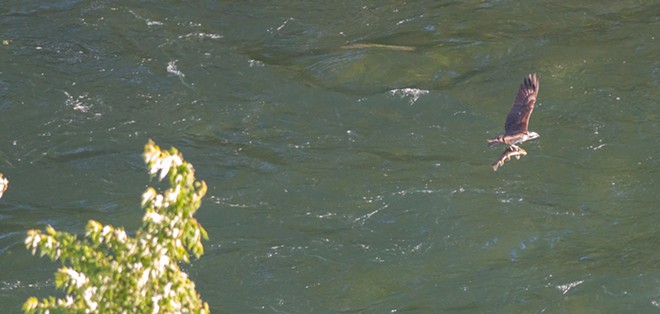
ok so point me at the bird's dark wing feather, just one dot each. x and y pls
(523, 106)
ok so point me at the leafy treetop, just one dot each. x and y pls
(108, 271)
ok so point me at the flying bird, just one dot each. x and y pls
(515, 127)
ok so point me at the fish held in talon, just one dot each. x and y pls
(507, 154)
(516, 124)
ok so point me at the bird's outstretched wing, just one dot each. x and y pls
(523, 105)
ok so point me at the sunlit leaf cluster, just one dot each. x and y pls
(108, 271)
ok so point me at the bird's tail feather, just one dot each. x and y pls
(492, 142)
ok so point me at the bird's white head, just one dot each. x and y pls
(532, 135)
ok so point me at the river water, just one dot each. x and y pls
(343, 143)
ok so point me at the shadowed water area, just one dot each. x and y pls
(344, 147)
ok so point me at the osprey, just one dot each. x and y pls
(515, 127)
